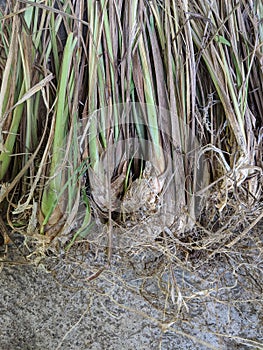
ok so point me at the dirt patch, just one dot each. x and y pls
(143, 303)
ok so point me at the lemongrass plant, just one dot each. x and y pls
(197, 61)
(141, 75)
(39, 120)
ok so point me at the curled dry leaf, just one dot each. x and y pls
(105, 189)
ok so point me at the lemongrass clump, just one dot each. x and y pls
(65, 72)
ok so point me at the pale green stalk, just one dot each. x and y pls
(51, 193)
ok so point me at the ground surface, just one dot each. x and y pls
(63, 310)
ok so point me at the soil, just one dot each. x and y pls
(59, 304)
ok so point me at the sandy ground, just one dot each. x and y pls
(124, 309)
